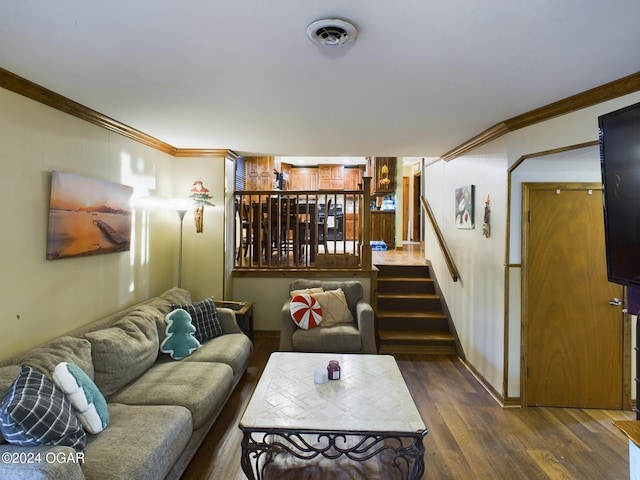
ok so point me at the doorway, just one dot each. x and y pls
(416, 228)
(573, 338)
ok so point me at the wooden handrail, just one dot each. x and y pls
(453, 270)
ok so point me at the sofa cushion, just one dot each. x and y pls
(306, 311)
(87, 401)
(205, 318)
(343, 337)
(125, 351)
(35, 412)
(63, 349)
(334, 307)
(179, 341)
(203, 388)
(142, 442)
(233, 349)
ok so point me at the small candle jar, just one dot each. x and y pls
(333, 370)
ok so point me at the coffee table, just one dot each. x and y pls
(367, 412)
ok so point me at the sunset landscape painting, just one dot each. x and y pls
(87, 216)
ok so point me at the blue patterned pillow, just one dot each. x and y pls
(89, 404)
(35, 412)
(205, 318)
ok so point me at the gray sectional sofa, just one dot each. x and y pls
(159, 409)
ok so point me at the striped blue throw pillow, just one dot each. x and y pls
(36, 412)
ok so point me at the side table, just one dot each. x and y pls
(244, 314)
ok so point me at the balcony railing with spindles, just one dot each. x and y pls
(294, 230)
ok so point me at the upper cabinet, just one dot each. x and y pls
(353, 177)
(331, 177)
(383, 173)
(303, 179)
(259, 173)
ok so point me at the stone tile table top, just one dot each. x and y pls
(370, 396)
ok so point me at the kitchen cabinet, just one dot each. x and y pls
(303, 179)
(383, 173)
(331, 177)
(353, 177)
(351, 226)
(383, 227)
(259, 173)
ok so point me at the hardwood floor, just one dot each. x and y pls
(409, 254)
(470, 435)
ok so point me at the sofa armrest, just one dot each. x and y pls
(228, 320)
(287, 327)
(366, 327)
(40, 463)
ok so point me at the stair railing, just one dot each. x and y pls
(453, 270)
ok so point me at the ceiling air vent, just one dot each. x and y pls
(331, 31)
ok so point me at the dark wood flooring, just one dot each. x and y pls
(470, 435)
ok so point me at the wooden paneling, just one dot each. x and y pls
(383, 172)
(259, 173)
(303, 179)
(331, 177)
(353, 177)
(383, 226)
(351, 226)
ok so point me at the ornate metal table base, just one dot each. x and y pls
(259, 447)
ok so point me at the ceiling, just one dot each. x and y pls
(422, 76)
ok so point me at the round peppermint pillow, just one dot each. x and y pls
(306, 311)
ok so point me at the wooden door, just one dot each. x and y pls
(573, 348)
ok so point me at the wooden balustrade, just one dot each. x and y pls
(302, 229)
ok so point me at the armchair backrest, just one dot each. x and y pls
(352, 289)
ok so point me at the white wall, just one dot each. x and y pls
(42, 299)
(477, 302)
(202, 253)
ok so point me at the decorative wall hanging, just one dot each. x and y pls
(464, 207)
(87, 216)
(486, 225)
(200, 196)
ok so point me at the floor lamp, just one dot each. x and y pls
(181, 213)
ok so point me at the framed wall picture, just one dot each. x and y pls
(87, 216)
(465, 201)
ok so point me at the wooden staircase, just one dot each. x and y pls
(410, 314)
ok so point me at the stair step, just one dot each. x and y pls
(408, 285)
(408, 295)
(426, 343)
(414, 336)
(417, 315)
(420, 271)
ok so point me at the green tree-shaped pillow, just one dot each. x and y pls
(179, 342)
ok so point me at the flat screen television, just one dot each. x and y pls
(619, 138)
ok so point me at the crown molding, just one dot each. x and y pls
(608, 91)
(205, 153)
(485, 137)
(27, 88)
(588, 98)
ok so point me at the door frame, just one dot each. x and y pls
(626, 319)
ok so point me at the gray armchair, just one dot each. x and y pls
(356, 337)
